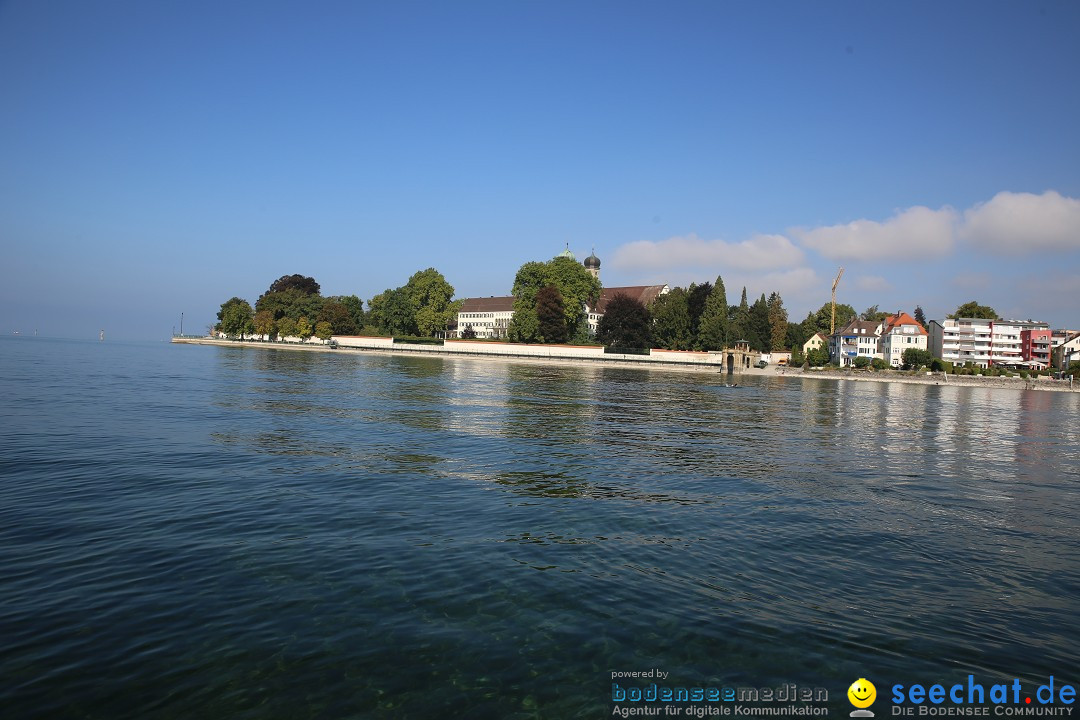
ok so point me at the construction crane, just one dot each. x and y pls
(832, 324)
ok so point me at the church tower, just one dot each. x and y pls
(592, 264)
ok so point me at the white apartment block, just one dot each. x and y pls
(979, 341)
(489, 317)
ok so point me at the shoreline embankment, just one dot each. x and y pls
(679, 362)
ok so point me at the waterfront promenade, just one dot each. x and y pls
(667, 360)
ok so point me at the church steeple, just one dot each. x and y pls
(592, 264)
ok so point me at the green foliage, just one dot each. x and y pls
(920, 316)
(551, 315)
(626, 324)
(431, 295)
(290, 303)
(264, 323)
(974, 310)
(304, 285)
(713, 328)
(344, 313)
(1073, 369)
(286, 327)
(818, 357)
(418, 340)
(303, 328)
(914, 358)
(759, 332)
(323, 330)
(797, 356)
(861, 362)
(795, 337)
(872, 314)
(879, 364)
(778, 322)
(818, 322)
(573, 282)
(696, 298)
(236, 317)
(469, 333)
(739, 320)
(671, 320)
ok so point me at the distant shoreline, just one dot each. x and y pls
(976, 381)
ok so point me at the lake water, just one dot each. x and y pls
(192, 531)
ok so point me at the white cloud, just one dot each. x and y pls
(873, 283)
(915, 233)
(1017, 223)
(761, 252)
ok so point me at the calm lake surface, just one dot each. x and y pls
(204, 532)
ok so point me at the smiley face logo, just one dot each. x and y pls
(862, 693)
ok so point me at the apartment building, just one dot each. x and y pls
(859, 338)
(980, 341)
(900, 332)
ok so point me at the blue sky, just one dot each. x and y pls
(161, 157)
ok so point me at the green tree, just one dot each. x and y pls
(713, 328)
(625, 324)
(323, 330)
(818, 357)
(551, 315)
(574, 283)
(914, 358)
(305, 285)
(671, 320)
(920, 316)
(759, 332)
(286, 327)
(236, 317)
(861, 362)
(794, 336)
(303, 328)
(872, 314)
(974, 310)
(818, 322)
(290, 303)
(739, 320)
(398, 313)
(697, 297)
(432, 296)
(264, 323)
(338, 317)
(778, 322)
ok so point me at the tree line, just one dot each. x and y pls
(293, 307)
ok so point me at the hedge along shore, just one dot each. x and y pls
(884, 376)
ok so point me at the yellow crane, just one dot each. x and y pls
(832, 324)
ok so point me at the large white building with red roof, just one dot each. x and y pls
(898, 333)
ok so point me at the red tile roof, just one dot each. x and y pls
(899, 319)
(488, 304)
(645, 294)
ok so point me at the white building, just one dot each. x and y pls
(488, 317)
(859, 338)
(900, 332)
(979, 341)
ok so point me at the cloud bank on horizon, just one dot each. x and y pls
(942, 255)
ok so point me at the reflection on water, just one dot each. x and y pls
(350, 535)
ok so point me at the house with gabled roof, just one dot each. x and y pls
(898, 333)
(859, 338)
(644, 294)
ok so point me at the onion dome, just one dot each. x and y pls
(592, 262)
(567, 254)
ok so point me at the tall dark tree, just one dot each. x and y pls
(671, 320)
(872, 314)
(713, 330)
(551, 315)
(697, 295)
(626, 323)
(778, 323)
(760, 332)
(739, 320)
(920, 316)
